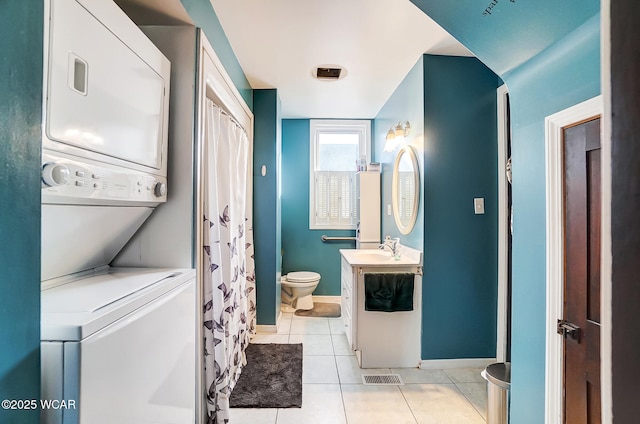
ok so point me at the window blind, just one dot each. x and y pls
(335, 197)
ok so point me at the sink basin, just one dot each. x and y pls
(382, 258)
(373, 255)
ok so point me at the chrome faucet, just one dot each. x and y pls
(393, 245)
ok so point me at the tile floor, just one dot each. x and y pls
(333, 393)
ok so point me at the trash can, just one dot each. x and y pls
(498, 378)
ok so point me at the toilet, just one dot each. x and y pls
(297, 288)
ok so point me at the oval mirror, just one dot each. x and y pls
(404, 189)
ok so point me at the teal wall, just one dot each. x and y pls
(267, 147)
(460, 248)
(20, 129)
(203, 16)
(405, 104)
(514, 31)
(451, 105)
(564, 75)
(547, 53)
(302, 248)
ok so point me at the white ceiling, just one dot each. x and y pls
(279, 42)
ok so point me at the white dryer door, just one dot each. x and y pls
(139, 370)
(102, 96)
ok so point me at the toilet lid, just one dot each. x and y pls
(303, 276)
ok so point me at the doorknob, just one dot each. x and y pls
(568, 329)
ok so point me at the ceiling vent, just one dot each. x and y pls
(329, 72)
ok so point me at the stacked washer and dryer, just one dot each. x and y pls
(118, 344)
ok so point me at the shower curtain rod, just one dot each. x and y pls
(233, 119)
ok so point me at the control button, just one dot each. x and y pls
(54, 174)
(140, 183)
(96, 185)
(160, 189)
(80, 183)
(95, 176)
(80, 174)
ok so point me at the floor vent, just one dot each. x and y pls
(382, 379)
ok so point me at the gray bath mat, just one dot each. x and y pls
(272, 377)
(327, 310)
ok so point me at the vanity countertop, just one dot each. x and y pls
(383, 258)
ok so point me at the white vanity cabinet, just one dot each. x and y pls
(381, 339)
(347, 301)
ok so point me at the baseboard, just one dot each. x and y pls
(266, 329)
(441, 364)
(269, 328)
(327, 299)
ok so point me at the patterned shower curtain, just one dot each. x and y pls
(229, 277)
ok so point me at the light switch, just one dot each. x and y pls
(389, 210)
(478, 205)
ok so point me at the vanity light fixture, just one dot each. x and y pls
(390, 143)
(396, 135)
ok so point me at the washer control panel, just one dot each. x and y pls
(69, 181)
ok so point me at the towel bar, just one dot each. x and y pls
(325, 238)
(418, 271)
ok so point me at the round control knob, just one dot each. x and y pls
(160, 189)
(54, 174)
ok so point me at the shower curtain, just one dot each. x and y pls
(229, 277)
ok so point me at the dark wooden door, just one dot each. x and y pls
(582, 196)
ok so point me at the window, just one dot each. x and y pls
(336, 147)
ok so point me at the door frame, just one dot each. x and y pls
(503, 223)
(214, 83)
(554, 363)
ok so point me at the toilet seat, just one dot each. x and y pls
(302, 277)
